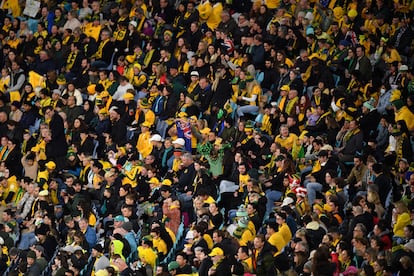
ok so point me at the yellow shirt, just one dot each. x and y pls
(243, 179)
(246, 237)
(131, 176)
(3, 83)
(286, 142)
(12, 186)
(284, 230)
(208, 240)
(144, 146)
(277, 241)
(147, 255)
(402, 221)
(160, 245)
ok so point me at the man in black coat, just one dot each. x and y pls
(56, 146)
(118, 130)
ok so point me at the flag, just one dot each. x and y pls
(184, 131)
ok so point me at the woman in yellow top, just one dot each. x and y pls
(144, 146)
(282, 59)
(249, 95)
(402, 219)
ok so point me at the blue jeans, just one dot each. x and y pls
(27, 240)
(272, 196)
(162, 127)
(312, 188)
(241, 110)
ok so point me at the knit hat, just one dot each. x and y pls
(370, 104)
(241, 212)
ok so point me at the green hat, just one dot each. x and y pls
(147, 238)
(173, 265)
(61, 80)
(249, 126)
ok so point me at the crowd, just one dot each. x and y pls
(244, 137)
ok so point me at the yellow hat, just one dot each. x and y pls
(146, 124)
(44, 193)
(50, 165)
(91, 89)
(194, 118)
(182, 114)
(153, 180)
(103, 111)
(104, 94)
(217, 251)
(137, 65)
(352, 13)
(285, 88)
(128, 96)
(205, 130)
(143, 103)
(166, 182)
(61, 80)
(130, 58)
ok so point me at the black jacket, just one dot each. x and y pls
(57, 147)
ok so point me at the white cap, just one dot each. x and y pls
(327, 147)
(133, 23)
(288, 200)
(179, 141)
(403, 68)
(155, 138)
(194, 73)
